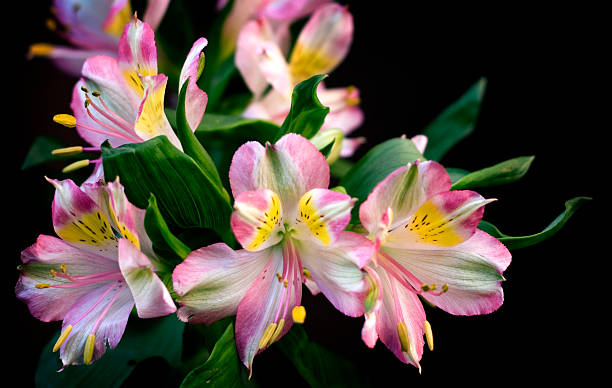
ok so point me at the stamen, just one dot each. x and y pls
(112, 117)
(53, 273)
(62, 338)
(299, 314)
(97, 302)
(89, 349)
(65, 120)
(42, 285)
(265, 338)
(429, 336)
(40, 49)
(67, 151)
(75, 166)
(63, 268)
(277, 331)
(306, 273)
(402, 333)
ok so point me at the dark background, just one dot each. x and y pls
(546, 95)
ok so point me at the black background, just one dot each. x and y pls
(546, 95)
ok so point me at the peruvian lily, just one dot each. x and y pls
(122, 100)
(93, 27)
(292, 230)
(320, 47)
(428, 245)
(280, 13)
(93, 275)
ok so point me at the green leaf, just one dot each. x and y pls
(222, 369)
(329, 143)
(187, 197)
(499, 174)
(307, 114)
(454, 123)
(161, 236)
(379, 162)
(524, 241)
(191, 145)
(456, 173)
(143, 338)
(317, 365)
(40, 152)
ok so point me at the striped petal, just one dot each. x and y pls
(290, 168)
(403, 191)
(137, 54)
(257, 221)
(471, 271)
(212, 281)
(84, 21)
(50, 253)
(152, 120)
(322, 216)
(444, 220)
(336, 270)
(265, 312)
(195, 98)
(150, 295)
(119, 15)
(78, 219)
(323, 42)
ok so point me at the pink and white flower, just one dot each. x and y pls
(93, 27)
(321, 46)
(93, 275)
(122, 100)
(428, 245)
(292, 230)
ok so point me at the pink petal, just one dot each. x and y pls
(336, 270)
(212, 280)
(322, 216)
(257, 221)
(404, 191)
(472, 271)
(195, 99)
(156, 9)
(137, 53)
(150, 294)
(290, 168)
(420, 142)
(323, 42)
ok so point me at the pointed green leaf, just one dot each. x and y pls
(222, 369)
(317, 365)
(499, 174)
(143, 338)
(455, 122)
(161, 236)
(307, 114)
(379, 162)
(524, 241)
(191, 145)
(186, 197)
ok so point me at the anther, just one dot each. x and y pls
(63, 268)
(429, 335)
(267, 334)
(75, 166)
(62, 338)
(40, 49)
(445, 287)
(402, 333)
(425, 287)
(65, 120)
(84, 89)
(299, 314)
(306, 273)
(96, 93)
(53, 273)
(89, 349)
(67, 151)
(279, 277)
(285, 283)
(42, 285)
(277, 331)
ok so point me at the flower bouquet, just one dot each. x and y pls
(213, 174)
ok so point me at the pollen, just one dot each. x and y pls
(267, 334)
(277, 331)
(65, 119)
(40, 49)
(89, 349)
(299, 314)
(402, 333)
(67, 151)
(42, 285)
(75, 166)
(62, 338)
(429, 336)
